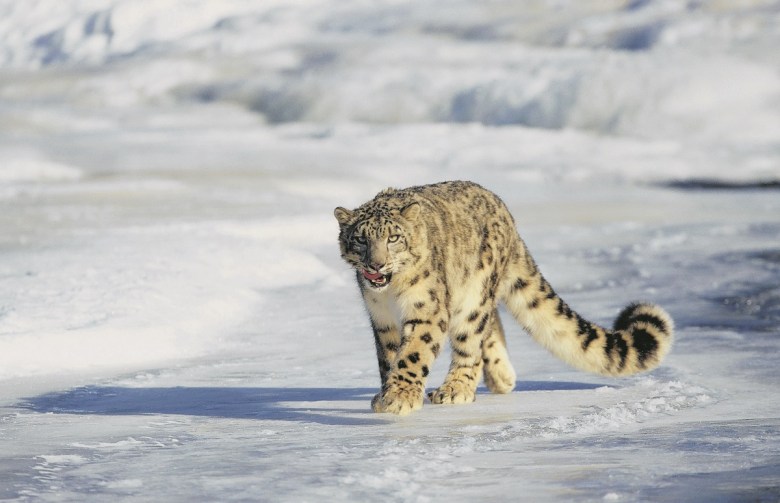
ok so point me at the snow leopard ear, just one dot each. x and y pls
(343, 215)
(411, 211)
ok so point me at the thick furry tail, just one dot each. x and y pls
(640, 339)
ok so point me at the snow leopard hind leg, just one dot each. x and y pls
(500, 376)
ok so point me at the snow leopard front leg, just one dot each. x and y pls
(468, 331)
(423, 329)
(387, 336)
(387, 340)
(478, 346)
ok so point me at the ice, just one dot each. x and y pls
(176, 323)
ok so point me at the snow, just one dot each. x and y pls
(176, 323)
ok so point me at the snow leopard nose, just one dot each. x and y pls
(376, 256)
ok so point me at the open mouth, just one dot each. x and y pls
(376, 279)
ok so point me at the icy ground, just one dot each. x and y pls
(176, 324)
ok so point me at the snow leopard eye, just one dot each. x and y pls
(393, 238)
(360, 239)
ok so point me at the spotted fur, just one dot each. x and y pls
(432, 262)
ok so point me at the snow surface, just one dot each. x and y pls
(176, 324)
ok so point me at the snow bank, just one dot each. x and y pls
(663, 70)
(39, 32)
(141, 296)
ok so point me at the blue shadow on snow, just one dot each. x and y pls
(282, 404)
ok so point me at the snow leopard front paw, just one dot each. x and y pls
(398, 398)
(453, 392)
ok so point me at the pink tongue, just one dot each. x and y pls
(370, 276)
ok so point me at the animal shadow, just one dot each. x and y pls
(281, 404)
(272, 403)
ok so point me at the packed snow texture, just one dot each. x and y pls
(176, 323)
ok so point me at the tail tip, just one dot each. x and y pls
(649, 330)
(641, 312)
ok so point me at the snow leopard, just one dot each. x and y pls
(433, 262)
